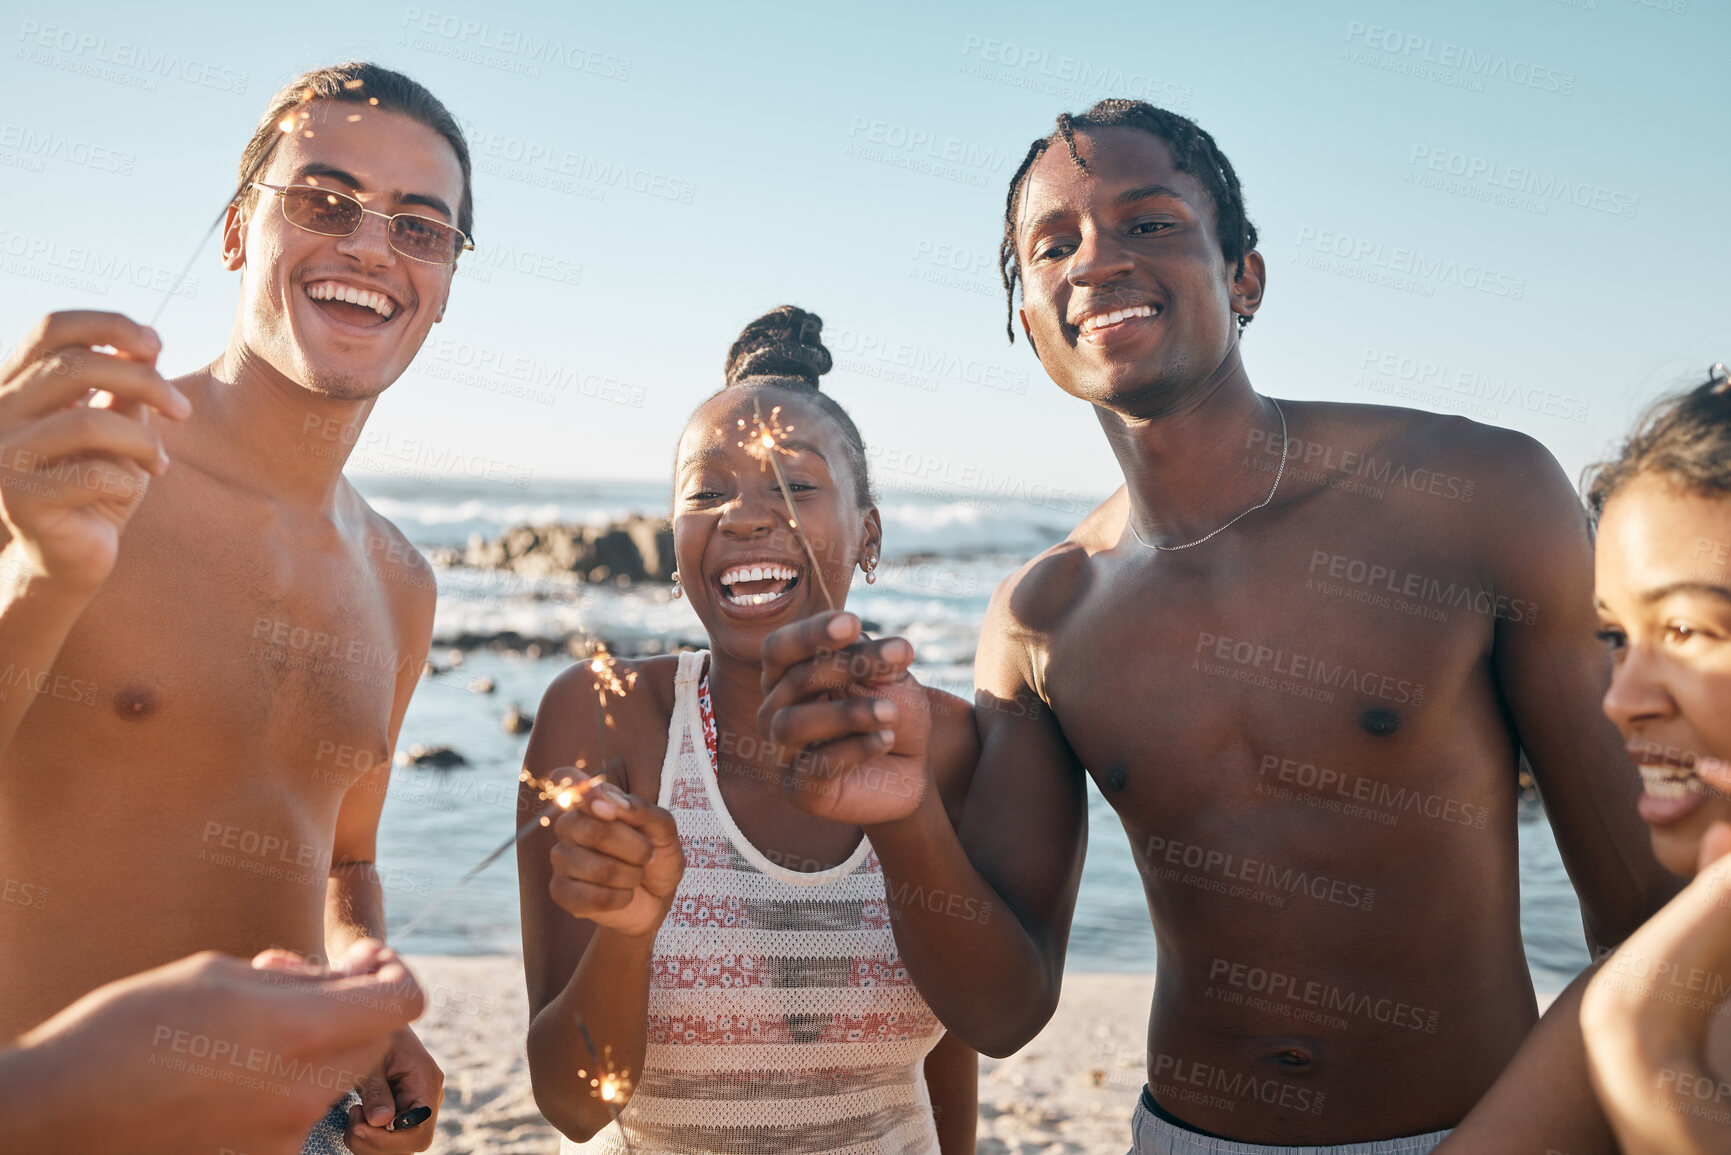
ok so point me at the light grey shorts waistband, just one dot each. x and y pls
(1153, 1135)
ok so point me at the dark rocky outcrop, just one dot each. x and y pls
(634, 550)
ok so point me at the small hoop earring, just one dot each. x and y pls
(678, 592)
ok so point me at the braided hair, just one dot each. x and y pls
(784, 348)
(1194, 152)
(1684, 438)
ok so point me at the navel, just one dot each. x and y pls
(1380, 721)
(134, 703)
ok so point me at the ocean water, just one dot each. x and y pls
(943, 558)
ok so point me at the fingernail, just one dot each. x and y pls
(604, 808)
(840, 626)
(887, 737)
(884, 710)
(153, 335)
(379, 1116)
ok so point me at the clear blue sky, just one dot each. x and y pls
(1566, 257)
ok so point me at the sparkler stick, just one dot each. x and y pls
(608, 1085)
(764, 443)
(561, 796)
(286, 125)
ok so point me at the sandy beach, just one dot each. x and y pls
(1070, 1091)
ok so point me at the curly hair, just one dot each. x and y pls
(1684, 438)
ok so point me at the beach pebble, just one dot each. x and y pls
(481, 685)
(516, 721)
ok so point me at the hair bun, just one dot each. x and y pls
(784, 342)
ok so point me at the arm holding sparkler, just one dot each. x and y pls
(596, 886)
(73, 468)
(407, 1076)
(1015, 859)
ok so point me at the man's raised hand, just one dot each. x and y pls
(857, 719)
(76, 448)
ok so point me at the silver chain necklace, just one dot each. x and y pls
(1278, 474)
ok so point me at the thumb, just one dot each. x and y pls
(378, 1105)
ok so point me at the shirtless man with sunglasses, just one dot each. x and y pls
(209, 639)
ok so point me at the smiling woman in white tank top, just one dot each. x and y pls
(725, 950)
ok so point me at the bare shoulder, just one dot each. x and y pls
(648, 685)
(1436, 453)
(566, 720)
(393, 558)
(1032, 604)
(1035, 598)
(1495, 491)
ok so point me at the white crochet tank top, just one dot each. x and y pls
(781, 1018)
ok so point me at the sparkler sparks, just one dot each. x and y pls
(558, 795)
(607, 681)
(764, 442)
(609, 1085)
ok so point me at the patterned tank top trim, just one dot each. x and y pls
(706, 711)
(781, 1018)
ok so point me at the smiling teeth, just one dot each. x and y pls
(752, 599)
(758, 573)
(1663, 782)
(1101, 320)
(331, 291)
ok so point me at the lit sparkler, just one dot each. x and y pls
(764, 442)
(286, 127)
(607, 681)
(609, 1085)
(558, 795)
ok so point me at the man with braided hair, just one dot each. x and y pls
(1301, 653)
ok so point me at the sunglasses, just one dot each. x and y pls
(335, 214)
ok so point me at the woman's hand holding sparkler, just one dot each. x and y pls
(859, 720)
(76, 447)
(617, 862)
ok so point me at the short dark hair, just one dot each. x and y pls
(784, 348)
(358, 82)
(1194, 152)
(1684, 438)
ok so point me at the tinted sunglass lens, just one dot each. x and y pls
(321, 211)
(425, 239)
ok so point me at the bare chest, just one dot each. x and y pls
(1305, 666)
(221, 643)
